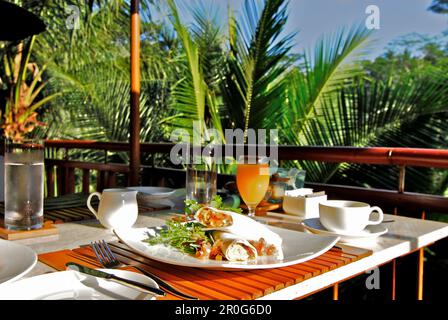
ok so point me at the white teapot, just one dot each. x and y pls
(118, 208)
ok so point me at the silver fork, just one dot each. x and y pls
(110, 261)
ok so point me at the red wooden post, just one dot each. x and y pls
(71, 181)
(111, 179)
(86, 181)
(50, 180)
(134, 164)
(60, 180)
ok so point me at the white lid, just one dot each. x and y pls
(299, 192)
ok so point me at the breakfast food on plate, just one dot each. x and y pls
(213, 218)
(237, 224)
(230, 247)
(221, 235)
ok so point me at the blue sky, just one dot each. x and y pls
(398, 17)
(313, 18)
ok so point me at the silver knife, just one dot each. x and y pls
(129, 283)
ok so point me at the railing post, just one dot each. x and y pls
(402, 179)
(60, 180)
(50, 180)
(421, 265)
(99, 181)
(86, 181)
(111, 179)
(401, 188)
(336, 292)
(71, 181)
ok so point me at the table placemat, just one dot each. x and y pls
(216, 285)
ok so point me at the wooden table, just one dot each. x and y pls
(405, 236)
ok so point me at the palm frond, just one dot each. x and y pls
(254, 83)
(333, 65)
(207, 34)
(90, 67)
(191, 93)
(367, 111)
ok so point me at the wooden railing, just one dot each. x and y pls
(106, 173)
(433, 158)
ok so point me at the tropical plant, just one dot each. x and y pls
(245, 77)
(254, 82)
(376, 113)
(23, 84)
(90, 65)
(331, 68)
(324, 99)
(439, 6)
(192, 95)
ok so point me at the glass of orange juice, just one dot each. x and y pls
(252, 179)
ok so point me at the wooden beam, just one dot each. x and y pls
(118, 168)
(134, 163)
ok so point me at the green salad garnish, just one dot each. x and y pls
(188, 236)
(192, 206)
(185, 236)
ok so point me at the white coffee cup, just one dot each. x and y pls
(348, 217)
(118, 208)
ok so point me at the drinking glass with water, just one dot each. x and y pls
(24, 184)
(201, 180)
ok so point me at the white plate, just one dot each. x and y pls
(154, 192)
(370, 232)
(297, 247)
(15, 261)
(72, 285)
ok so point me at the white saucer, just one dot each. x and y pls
(371, 232)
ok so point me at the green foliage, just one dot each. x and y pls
(90, 66)
(254, 83)
(439, 6)
(329, 69)
(191, 94)
(21, 96)
(186, 237)
(192, 206)
(242, 75)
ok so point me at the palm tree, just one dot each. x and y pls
(240, 78)
(192, 96)
(439, 6)
(377, 113)
(325, 100)
(21, 87)
(257, 65)
(90, 66)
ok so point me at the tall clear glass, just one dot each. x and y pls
(24, 184)
(201, 181)
(252, 179)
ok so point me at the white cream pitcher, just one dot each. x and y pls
(118, 208)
